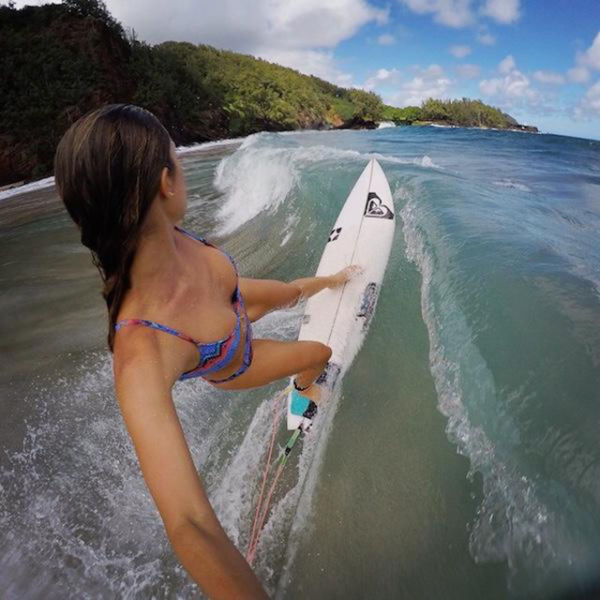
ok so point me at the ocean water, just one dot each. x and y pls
(460, 457)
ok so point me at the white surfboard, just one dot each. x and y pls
(362, 235)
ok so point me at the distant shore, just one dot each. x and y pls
(517, 127)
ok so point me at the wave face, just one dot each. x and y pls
(459, 458)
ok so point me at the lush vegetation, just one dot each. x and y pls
(58, 61)
(463, 113)
(251, 94)
(402, 116)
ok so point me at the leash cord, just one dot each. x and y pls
(262, 509)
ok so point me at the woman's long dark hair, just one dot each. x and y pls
(108, 167)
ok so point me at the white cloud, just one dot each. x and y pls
(507, 65)
(503, 11)
(453, 13)
(590, 104)
(459, 51)
(433, 70)
(585, 62)
(578, 74)
(591, 57)
(386, 39)
(512, 87)
(431, 82)
(468, 71)
(459, 13)
(490, 87)
(381, 78)
(313, 23)
(549, 77)
(243, 25)
(297, 34)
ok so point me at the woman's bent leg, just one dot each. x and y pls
(273, 360)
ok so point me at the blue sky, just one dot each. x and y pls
(538, 60)
(546, 39)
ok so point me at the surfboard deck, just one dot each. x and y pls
(362, 234)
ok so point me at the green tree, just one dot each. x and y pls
(367, 105)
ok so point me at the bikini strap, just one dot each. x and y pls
(200, 239)
(193, 236)
(154, 325)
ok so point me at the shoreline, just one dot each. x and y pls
(14, 189)
(442, 125)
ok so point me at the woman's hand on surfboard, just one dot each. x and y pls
(344, 275)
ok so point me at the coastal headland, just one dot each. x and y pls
(59, 61)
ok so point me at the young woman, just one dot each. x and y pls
(177, 309)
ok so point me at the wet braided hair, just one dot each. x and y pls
(108, 168)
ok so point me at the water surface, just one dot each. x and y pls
(459, 459)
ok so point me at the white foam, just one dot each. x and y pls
(107, 538)
(209, 145)
(309, 467)
(49, 181)
(245, 142)
(260, 177)
(252, 181)
(288, 229)
(233, 495)
(40, 184)
(386, 124)
(309, 131)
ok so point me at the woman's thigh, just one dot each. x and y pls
(273, 360)
(264, 295)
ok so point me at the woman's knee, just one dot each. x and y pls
(321, 353)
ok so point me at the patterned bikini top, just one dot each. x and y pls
(213, 356)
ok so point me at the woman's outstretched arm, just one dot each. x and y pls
(264, 295)
(143, 385)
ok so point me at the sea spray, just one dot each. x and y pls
(261, 175)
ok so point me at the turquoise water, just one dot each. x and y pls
(459, 459)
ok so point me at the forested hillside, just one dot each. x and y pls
(59, 61)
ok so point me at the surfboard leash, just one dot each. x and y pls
(262, 508)
(276, 411)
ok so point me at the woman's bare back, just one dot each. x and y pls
(195, 297)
